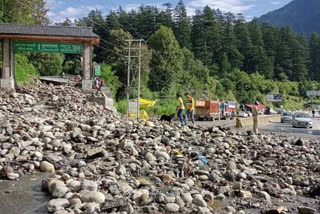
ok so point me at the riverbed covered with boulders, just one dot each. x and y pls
(98, 161)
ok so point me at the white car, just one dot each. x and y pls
(243, 114)
(302, 120)
(249, 113)
(286, 117)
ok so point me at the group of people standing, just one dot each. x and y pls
(189, 111)
(99, 82)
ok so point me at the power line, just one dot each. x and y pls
(141, 35)
(100, 24)
(123, 28)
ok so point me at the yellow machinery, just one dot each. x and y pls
(143, 114)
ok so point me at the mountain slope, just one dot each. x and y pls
(302, 15)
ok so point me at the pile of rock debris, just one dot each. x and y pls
(103, 162)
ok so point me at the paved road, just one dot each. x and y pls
(222, 123)
(287, 129)
(276, 127)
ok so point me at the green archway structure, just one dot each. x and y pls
(50, 39)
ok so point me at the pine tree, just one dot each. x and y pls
(206, 37)
(147, 21)
(225, 66)
(244, 43)
(112, 21)
(195, 75)
(182, 29)
(166, 60)
(96, 21)
(259, 61)
(165, 17)
(229, 45)
(66, 22)
(283, 63)
(123, 21)
(314, 45)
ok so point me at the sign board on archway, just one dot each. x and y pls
(50, 39)
(50, 47)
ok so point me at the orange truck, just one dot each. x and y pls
(211, 110)
(207, 110)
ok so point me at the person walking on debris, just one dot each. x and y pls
(190, 108)
(255, 114)
(180, 108)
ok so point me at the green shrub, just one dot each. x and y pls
(121, 106)
(111, 80)
(47, 64)
(293, 103)
(24, 70)
(166, 106)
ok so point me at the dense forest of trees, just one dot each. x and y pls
(212, 53)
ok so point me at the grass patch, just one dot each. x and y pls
(121, 106)
(161, 107)
(24, 70)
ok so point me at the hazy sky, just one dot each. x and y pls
(73, 9)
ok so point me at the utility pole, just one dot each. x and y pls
(139, 80)
(130, 48)
(128, 80)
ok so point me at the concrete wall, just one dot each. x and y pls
(106, 101)
(264, 119)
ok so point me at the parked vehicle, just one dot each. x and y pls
(269, 111)
(280, 111)
(302, 120)
(228, 109)
(207, 110)
(249, 113)
(211, 110)
(243, 114)
(286, 117)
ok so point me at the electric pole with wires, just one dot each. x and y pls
(128, 89)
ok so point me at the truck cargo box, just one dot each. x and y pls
(207, 110)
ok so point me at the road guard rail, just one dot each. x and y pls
(263, 119)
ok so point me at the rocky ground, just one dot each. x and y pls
(102, 162)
